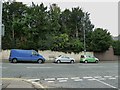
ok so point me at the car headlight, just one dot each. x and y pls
(83, 59)
(55, 59)
(97, 59)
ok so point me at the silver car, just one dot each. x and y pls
(61, 58)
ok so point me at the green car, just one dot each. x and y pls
(87, 59)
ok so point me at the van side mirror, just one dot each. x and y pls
(37, 54)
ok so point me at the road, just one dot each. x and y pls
(65, 75)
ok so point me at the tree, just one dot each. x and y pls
(64, 21)
(74, 45)
(75, 19)
(54, 15)
(116, 47)
(99, 41)
(59, 42)
(36, 27)
(12, 15)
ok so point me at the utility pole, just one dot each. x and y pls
(0, 23)
(83, 21)
(0, 43)
(84, 41)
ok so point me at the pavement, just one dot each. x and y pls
(65, 75)
(17, 83)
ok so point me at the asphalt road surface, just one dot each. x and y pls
(65, 75)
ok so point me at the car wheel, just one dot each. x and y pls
(39, 61)
(86, 61)
(58, 61)
(96, 61)
(14, 60)
(72, 61)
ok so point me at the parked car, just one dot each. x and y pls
(61, 59)
(25, 55)
(86, 59)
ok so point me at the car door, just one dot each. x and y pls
(67, 59)
(62, 59)
(91, 59)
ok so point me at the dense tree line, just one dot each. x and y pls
(116, 46)
(39, 27)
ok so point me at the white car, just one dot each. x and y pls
(61, 58)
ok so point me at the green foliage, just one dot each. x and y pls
(59, 42)
(100, 40)
(74, 45)
(116, 47)
(37, 27)
(13, 14)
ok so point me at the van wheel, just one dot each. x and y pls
(72, 61)
(14, 60)
(58, 61)
(86, 61)
(39, 61)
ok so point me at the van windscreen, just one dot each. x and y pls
(82, 56)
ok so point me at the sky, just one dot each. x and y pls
(103, 13)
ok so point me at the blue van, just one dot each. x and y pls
(25, 55)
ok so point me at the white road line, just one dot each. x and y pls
(116, 76)
(97, 76)
(78, 80)
(33, 80)
(38, 84)
(112, 78)
(46, 79)
(101, 79)
(75, 77)
(91, 79)
(90, 64)
(50, 81)
(38, 67)
(35, 83)
(107, 76)
(87, 77)
(105, 83)
(27, 64)
(61, 78)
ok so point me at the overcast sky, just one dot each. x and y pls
(103, 13)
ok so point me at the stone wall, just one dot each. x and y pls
(108, 55)
(49, 55)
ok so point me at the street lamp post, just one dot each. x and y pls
(0, 41)
(84, 41)
(83, 21)
(0, 22)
